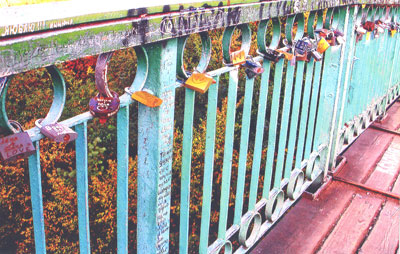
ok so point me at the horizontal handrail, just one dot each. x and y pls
(33, 43)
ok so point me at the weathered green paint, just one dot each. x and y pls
(244, 143)
(186, 169)
(155, 151)
(82, 183)
(35, 181)
(208, 166)
(122, 179)
(228, 150)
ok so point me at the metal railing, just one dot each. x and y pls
(310, 111)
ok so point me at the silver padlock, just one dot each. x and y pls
(360, 30)
(57, 132)
(340, 40)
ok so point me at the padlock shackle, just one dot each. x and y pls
(57, 106)
(100, 74)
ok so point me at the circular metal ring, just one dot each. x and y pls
(227, 246)
(295, 184)
(375, 111)
(357, 125)
(204, 59)
(244, 227)
(332, 18)
(274, 204)
(56, 108)
(382, 105)
(227, 38)
(142, 70)
(313, 166)
(310, 24)
(263, 30)
(290, 22)
(364, 119)
(340, 144)
(349, 135)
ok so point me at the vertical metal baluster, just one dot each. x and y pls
(35, 181)
(208, 166)
(122, 179)
(186, 166)
(294, 121)
(284, 124)
(82, 187)
(228, 151)
(310, 143)
(304, 115)
(316, 70)
(244, 142)
(330, 89)
(345, 112)
(155, 144)
(262, 105)
(273, 122)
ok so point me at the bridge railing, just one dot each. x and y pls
(307, 113)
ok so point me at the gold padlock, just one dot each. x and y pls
(147, 99)
(393, 32)
(368, 36)
(238, 57)
(322, 46)
(199, 82)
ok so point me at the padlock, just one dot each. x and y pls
(272, 55)
(369, 26)
(104, 107)
(147, 98)
(238, 57)
(360, 30)
(253, 68)
(199, 82)
(106, 103)
(316, 55)
(17, 145)
(57, 132)
(322, 45)
(284, 51)
(367, 36)
(301, 47)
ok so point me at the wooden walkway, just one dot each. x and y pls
(346, 218)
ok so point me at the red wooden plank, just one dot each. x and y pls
(392, 121)
(384, 236)
(364, 154)
(307, 223)
(352, 227)
(387, 169)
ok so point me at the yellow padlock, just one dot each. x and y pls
(199, 82)
(393, 32)
(322, 46)
(238, 57)
(146, 99)
(368, 36)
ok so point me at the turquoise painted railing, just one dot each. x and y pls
(308, 112)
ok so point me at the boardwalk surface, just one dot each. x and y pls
(358, 211)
